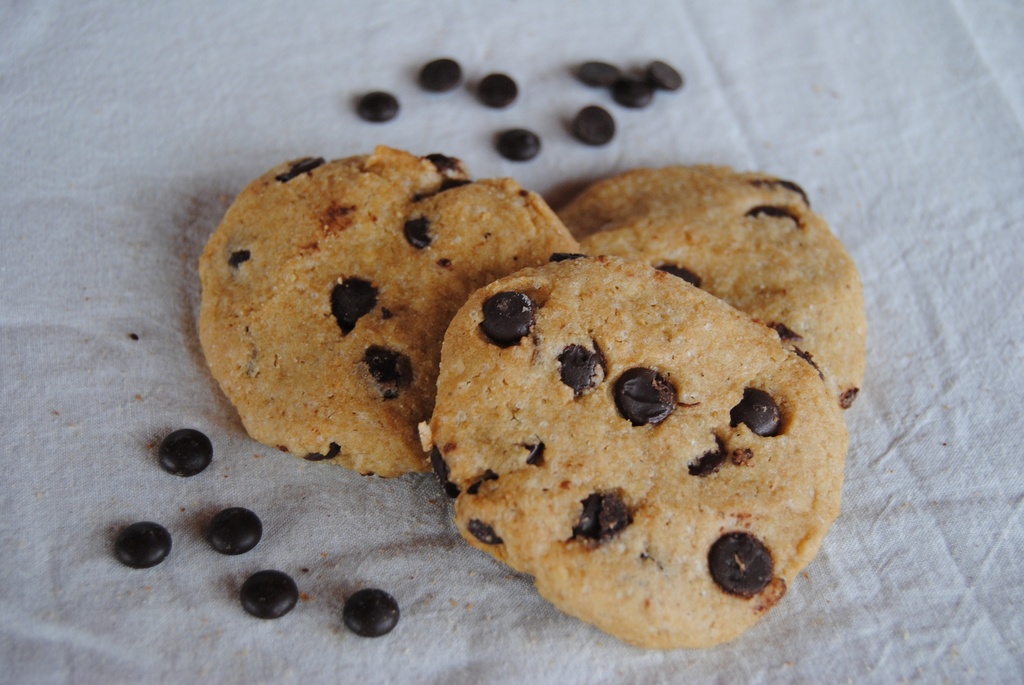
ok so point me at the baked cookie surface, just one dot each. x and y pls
(654, 458)
(748, 238)
(328, 286)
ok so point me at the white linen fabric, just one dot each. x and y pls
(127, 129)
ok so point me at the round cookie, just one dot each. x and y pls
(328, 286)
(652, 456)
(747, 238)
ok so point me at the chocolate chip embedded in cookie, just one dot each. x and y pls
(653, 457)
(328, 286)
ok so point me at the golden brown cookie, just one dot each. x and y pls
(748, 238)
(328, 286)
(652, 456)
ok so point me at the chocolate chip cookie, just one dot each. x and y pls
(748, 238)
(328, 286)
(652, 456)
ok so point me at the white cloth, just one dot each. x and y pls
(126, 130)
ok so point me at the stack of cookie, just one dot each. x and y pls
(654, 432)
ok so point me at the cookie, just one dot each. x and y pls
(747, 238)
(658, 463)
(328, 286)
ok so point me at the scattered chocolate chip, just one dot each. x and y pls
(333, 450)
(440, 75)
(449, 183)
(350, 300)
(682, 272)
(785, 334)
(142, 545)
(709, 462)
(235, 530)
(475, 487)
(185, 452)
(598, 73)
(758, 411)
(740, 564)
(565, 256)
(604, 516)
(269, 594)
(742, 456)
(847, 398)
(444, 263)
(385, 313)
(508, 316)
(483, 532)
(593, 125)
(391, 370)
(377, 107)
(806, 356)
(632, 93)
(440, 467)
(303, 166)
(133, 336)
(581, 369)
(775, 213)
(518, 145)
(238, 257)
(445, 164)
(416, 232)
(644, 396)
(663, 76)
(536, 456)
(788, 185)
(370, 613)
(497, 90)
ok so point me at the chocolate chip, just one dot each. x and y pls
(142, 545)
(391, 370)
(377, 107)
(682, 272)
(806, 356)
(333, 450)
(185, 452)
(758, 411)
(580, 368)
(444, 263)
(475, 487)
(740, 564)
(238, 257)
(709, 462)
(518, 144)
(644, 396)
(604, 516)
(593, 125)
(664, 76)
(565, 256)
(133, 336)
(440, 467)
(370, 613)
(598, 73)
(483, 532)
(788, 185)
(784, 332)
(449, 183)
(774, 212)
(235, 530)
(269, 594)
(497, 90)
(536, 456)
(385, 313)
(350, 300)
(416, 232)
(508, 316)
(440, 75)
(847, 398)
(303, 166)
(445, 164)
(633, 93)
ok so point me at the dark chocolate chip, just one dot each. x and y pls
(518, 144)
(682, 272)
(604, 516)
(633, 93)
(497, 90)
(475, 487)
(784, 332)
(142, 545)
(185, 452)
(350, 300)
(444, 163)
(508, 316)
(440, 75)
(788, 185)
(416, 232)
(536, 456)
(449, 183)
(269, 594)
(235, 530)
(664, 76)
(598, 73)
(847, 398)
(740, 564)
(593, 125)
(581, 369)
(440, 467)
(238, 257)
(758, 411)
(370, 613)
(385, 313)
(133, 336)
(483, 532)
(444, 263)
(806, 356)
(378, 107)
(644, 396)
(774, 212)
(565, 256)
(303, 166)
(391, 370)
(709, 462)
(333, 450)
